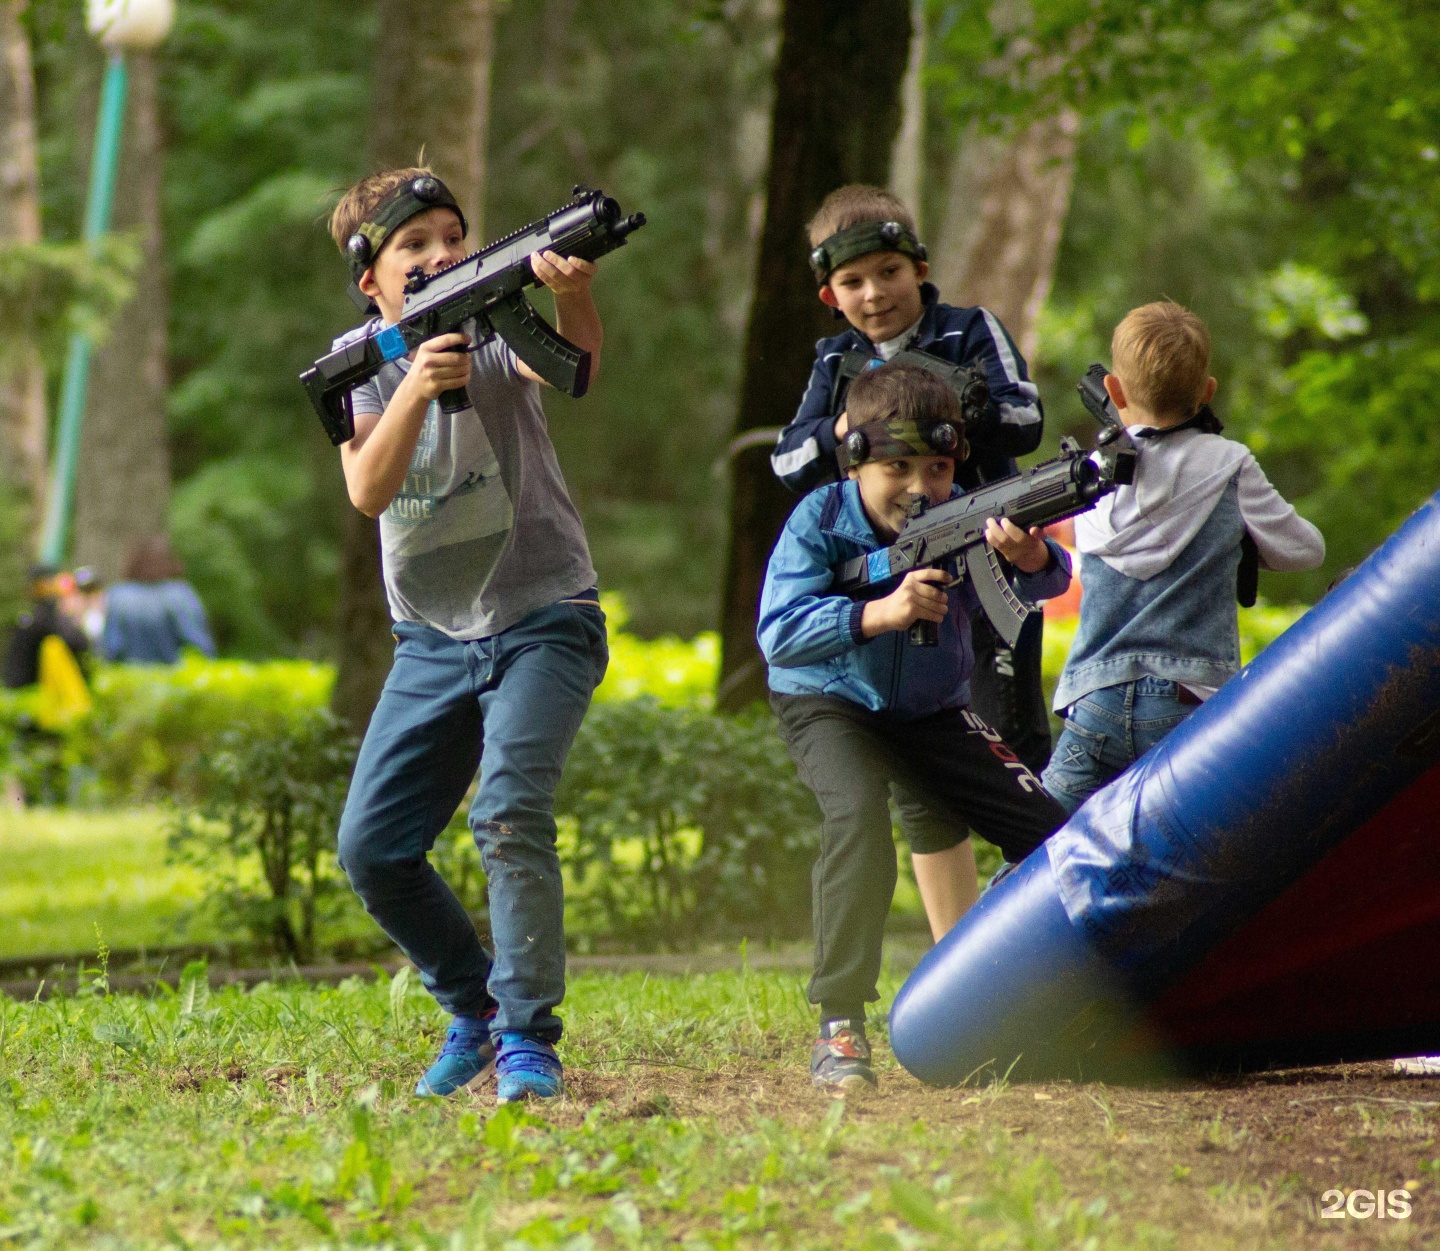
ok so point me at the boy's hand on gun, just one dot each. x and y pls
(920, 597)
(438, 367)
(564, 275)
(1025, 550)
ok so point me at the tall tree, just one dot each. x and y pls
(834, 121)
(1005, 208)
(123, 488)
(432, 91)
(22, 376)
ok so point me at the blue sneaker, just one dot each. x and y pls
(467, 1055)
(528, 1069)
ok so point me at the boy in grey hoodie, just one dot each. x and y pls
(1159, 633)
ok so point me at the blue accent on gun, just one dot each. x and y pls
(485, 295)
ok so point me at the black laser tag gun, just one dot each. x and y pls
(951, 535)
(488, 290)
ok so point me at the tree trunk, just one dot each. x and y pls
(431, 90)
(123, 488)
(907, 163)
(22, 377)
(836, 113)
(1005, 209)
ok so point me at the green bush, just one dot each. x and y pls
(264, 830)
(680, 824)
(152, 723)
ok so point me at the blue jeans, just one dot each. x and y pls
(1108, 730)
(512, 704)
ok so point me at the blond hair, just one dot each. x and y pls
(1161, 354)
(856, 205)
(359, 202)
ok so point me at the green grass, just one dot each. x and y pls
(65, 873)
(281, 1118)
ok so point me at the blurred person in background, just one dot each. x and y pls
(153, 612)
(85, 605)
(44, 619)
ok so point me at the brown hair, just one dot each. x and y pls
(357, 204)
(854, 205)
(1161, 353)
(151, 560)
(902, 393)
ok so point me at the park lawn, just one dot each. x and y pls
(68, 874)
(281, 1118)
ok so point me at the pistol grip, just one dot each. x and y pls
(924, 634)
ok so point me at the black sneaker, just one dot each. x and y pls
(840, 1058)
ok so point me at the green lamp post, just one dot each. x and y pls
(121, 26)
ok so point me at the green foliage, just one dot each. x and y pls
(677, 672)
(152, 725)
(48, 291)
(265, 107)
(684, 824)
(270, 800)
(1308, 237)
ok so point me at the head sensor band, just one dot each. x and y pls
(892, 437)
(847, 245)
(396, 208)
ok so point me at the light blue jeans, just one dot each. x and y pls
(511, 704)
(1108, 730)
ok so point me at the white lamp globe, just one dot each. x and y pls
(129, 25)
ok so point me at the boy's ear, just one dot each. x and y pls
(367, 284)
(922, 268)
(1115, 391)
(1209, 393)
(827, 296)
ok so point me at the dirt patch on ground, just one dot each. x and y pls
(1234, 1162)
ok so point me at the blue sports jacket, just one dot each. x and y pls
(804, 456)
(811, 639)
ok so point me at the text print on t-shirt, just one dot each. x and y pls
(469, 503)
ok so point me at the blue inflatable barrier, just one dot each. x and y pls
(1262, 889)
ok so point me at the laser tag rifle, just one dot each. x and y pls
(952, 535)
(488, 289)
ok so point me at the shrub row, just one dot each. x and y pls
(676, 823)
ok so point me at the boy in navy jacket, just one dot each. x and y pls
(860, 707)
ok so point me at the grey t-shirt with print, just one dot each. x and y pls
(483, 531)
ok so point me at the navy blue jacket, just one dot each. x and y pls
(804, 455)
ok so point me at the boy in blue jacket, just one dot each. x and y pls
(861, 707)
(871, 269)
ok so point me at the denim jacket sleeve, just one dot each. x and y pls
(804, 456)
(799, 623)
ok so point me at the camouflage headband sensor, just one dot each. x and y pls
(853, 242)
(407, 200)
(890, 438)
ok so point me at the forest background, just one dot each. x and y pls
(1271, 164)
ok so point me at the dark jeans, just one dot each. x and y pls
(1108, 730)
(511, 704)
(848, 756)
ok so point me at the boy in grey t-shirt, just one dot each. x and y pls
(500, 642)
